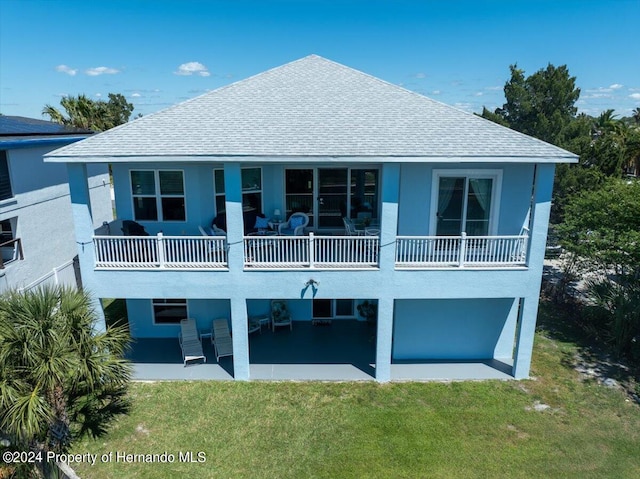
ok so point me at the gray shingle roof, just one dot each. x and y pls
(312, 107)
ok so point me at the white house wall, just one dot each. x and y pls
(41, 202)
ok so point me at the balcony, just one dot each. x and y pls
(423, 252)
(264, 252)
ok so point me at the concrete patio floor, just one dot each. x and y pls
(341, 351)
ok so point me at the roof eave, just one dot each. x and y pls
(569, 158)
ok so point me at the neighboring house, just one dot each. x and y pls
(37, 237)
(454, 266)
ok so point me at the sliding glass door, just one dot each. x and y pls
(329, 194)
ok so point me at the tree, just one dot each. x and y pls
(82, 112)
(541, 105)
(602, 226)
(59, 379)
(636, 115)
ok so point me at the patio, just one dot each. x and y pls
(341, 351)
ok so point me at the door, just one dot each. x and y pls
(299, 192)
(464, 205)
(332, 197)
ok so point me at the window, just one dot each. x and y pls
(332, 308)
(5, 180)
(169, 311)
(364, 193)
(251, 189)
(11, 251)
(465, 201)
(158, 195)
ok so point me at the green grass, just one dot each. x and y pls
(412, 430)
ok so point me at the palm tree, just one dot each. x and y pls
(83, 112)
(59, 378)
(636, 115)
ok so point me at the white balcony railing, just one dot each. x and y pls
(461, 251)
(315, 252)
(171, 252)
(308, 252)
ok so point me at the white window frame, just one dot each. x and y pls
(153, 312)
(158, 195)
(496, 194)
(334, 308)
(216, 194)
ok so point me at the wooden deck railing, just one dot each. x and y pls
(166, 252)
(461, 251)
(17, 248)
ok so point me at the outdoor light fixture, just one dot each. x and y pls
(314, 288)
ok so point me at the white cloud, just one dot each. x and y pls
(136, 95)
(616, 86)
(99, 95)
(421, 75)
(436, 92)
(192, 68)
(493, 88)
(635, 96)
(478, 93)
(597, 95)
(65, 69)
(101, 71)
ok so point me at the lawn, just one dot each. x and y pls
(343, 430)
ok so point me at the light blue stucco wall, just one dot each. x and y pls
(141, 324)
(453, 329)
(415, 195)
(387, 284)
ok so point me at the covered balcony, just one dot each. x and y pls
(312, 252)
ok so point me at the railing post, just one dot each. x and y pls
(160, 246)
(312, 242)
(463, 249)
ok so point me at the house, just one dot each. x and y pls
(37, 237)
(457, 207)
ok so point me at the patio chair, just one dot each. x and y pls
(221, 338)
(295, 225)
(190, 343)
(280, 315)
(350, 228)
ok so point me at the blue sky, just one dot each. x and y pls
(160, 52)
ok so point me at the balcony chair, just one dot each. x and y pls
(350, 228)
(280, 315)
(221, 338)
(295, 225)
(190, 343)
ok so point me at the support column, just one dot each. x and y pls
(543, 187)
(389, 215)
(233, 207)
(239, 326)
(83, 225)
(384, 339)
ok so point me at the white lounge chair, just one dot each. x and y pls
(190, 341)
(221, 338)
